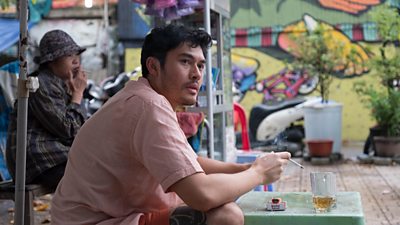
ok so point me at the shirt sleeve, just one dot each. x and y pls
(162, 146)
(52, 106)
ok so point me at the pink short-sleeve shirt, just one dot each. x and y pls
(123, 160)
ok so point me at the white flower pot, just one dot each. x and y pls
(324, 121)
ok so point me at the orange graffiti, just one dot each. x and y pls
(349, 6)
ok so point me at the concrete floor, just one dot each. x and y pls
(379, 187)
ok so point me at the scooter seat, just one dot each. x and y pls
(288, 103)
(260, 111)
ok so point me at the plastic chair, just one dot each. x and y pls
(240, 117)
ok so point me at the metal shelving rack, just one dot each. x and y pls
(215, 102)
(218, 105)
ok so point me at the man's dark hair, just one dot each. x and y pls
(161, 40)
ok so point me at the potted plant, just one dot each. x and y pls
(314, 57)
(385, 103)
(386, 63)
(322, 55)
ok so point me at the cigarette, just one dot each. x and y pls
(87, 71)
(296, 163)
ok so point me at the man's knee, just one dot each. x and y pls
(228, 214)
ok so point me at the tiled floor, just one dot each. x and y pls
(379, 187)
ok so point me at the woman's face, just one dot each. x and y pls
(64, 66)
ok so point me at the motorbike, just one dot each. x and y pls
(95, 95)
(279, 127)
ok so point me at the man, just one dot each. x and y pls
(54, 111)
(131, 163)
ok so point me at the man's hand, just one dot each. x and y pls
(270, 166)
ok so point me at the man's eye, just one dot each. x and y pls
(185, 61)
(201, 66)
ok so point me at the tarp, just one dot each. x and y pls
(8, 94)
(9, 32)
(38, 9)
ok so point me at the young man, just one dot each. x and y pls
(131, 163)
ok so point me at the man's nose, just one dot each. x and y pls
(196, 73)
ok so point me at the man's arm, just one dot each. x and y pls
(215, 166)
(207, 191)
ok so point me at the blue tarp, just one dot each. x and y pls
(7, 71)
(9, 32)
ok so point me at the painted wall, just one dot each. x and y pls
(259, 40)
(260, 46)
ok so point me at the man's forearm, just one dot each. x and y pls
(214, 166)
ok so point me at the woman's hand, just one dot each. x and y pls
(77, 84)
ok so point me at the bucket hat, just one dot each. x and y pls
(56, 44)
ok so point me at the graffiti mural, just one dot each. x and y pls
(349, 6)
(276, 87)
(266, 28)
(286, 83)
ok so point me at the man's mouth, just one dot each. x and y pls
(193, 88)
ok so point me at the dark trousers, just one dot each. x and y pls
(187, 216)
(51, 177)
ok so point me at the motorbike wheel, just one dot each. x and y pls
(309, 85)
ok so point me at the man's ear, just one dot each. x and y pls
(153, 65)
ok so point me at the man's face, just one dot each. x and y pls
(180, 78)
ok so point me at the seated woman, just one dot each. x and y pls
(54, 111)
